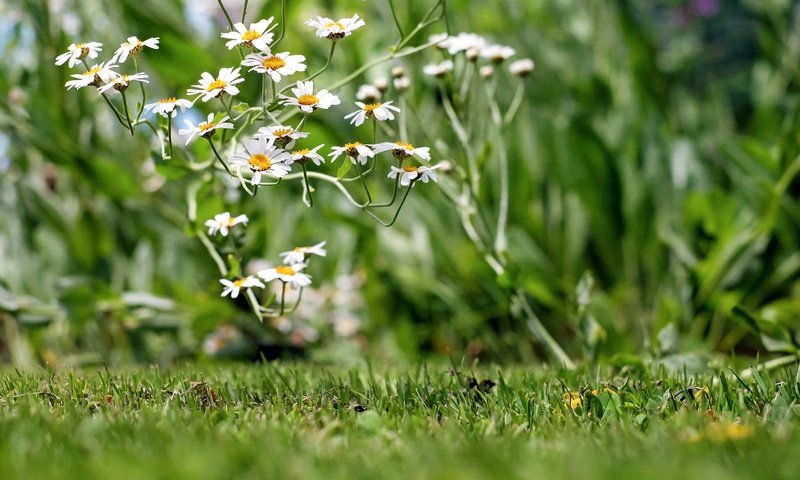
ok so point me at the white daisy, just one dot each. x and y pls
(210, 87)
(287, 274)
(96, 76)
(368, 93)
(276, 65)
(300, 254)
(497, 53)
(166, 106)
(403, 150)
(469, 43)
(438, 70)
(261, 159)
(79, 51)
(356, 151)
(307, 100)
(204, 129)
(120, 83)
(381, 111)
(486, 71)
(381, 83)
(331, 29)
(283, 136)
(402, 84)
(133, 46)
(257, 36)
(222, 222)
(304, 155)
(410, 175)
(232, 288)
(521, 67)
(439, 40)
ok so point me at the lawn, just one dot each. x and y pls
(297, 421)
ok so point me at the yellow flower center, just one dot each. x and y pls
(404, 145)
(409, 168)
(239, 283)
(92, 71)
(216, 84)
(285, 270)
(298, 249)
(250, 35)
(84, 50)
(282, 132)
(168, 100)
(259, 161)
(308, 99)
(371, 106)
(351, 148)
(205, 126)
(332, 25)
(231, 221)
(273, 63)
(302, 151)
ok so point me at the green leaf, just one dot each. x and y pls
(343, 169)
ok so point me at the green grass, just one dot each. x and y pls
(308, 422)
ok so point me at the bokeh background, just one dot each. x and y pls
(653, 211)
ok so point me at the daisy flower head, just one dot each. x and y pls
(469, 43)
(379, 111)
(97, 75)
(440, 40)
(261, 159)
(166, 106)
(283, 136)
(368, 93)
(497, 53)
(233, 288)
(204, 129)
(521, 68)
(307, 100)
(300, 254)
(276, 65)
(403, 150)
(410, 175)
(303, 155)
(335, 30)
(120, 83)
(79, 51)
(133, 47)
(209, 87)
(258, 36)
(486, 71)
(356, 151)
(402, 84)
(287, 274)
(224, 221)
(438, 70)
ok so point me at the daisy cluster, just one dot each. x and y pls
(475, 48)
(103, 75)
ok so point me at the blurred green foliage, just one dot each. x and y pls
(653, 191)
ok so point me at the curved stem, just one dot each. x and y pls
(394, 191)
(216, 153)
(127, 112)
(169, 133)
(363, 182)
(283, 299)
(515, 104)
(244, 10)
(141, 88)
(283, 24)
(227, 16)
(212, 251)
(308, 186)
(396, 213)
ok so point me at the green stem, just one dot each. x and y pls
(283, 24)
(394, 192)
(396, 213)
(223, 162)
(283, 299)
(227, 16)
(127, 112)
(169, 133)
(308, 186)
(538, 329)
(244, 10)
(396, 20)
(141, 89)
(212, 251)
(116, 112)
(363, 181)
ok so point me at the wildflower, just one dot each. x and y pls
(497, 53)
(303, 155)
(224, 221)
(232, 288)
(402, 150)
(204, 129)
(166, 106)
(521, 68)
(486, 71)
(410, 175)
(257, 36)
(307, 100)
(287, 274)
(281, 135)
(79, 51)
(356, 151)
(262, 159)
(333, 30)
(439, 40)
(573, 400)
(381, 111)
(368, 93)
(133, 46)
(210, 87)
(300, 254)
(276, 65)
(438, 70)
(381, 83)
(96, 75)
(398, 71)
(120, 83)
(469, 43)
(402, 84)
